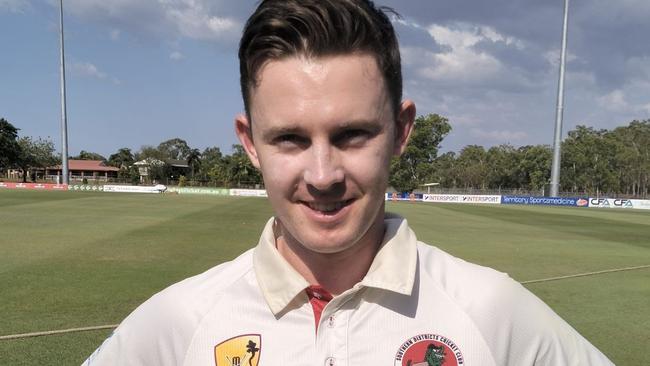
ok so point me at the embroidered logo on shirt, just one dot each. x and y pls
(428, 350)
(243, 350)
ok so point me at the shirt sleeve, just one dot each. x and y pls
(158, 332)
(522, 330)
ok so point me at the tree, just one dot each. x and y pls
(587, 161)
(87, 155)
(150, 152)
(631, 162)
(472, 166)
(123, 158)
(194, 161)
(444, 170)
(9, 147)
(534, 169)
(35, 154)
(238, 169)
(175, 148)
(416, 163)
(211, 165)
(502, 163)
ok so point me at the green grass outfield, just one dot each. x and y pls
(77, 259)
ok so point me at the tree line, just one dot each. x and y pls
(594, 161)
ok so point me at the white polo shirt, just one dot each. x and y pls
(417, 306)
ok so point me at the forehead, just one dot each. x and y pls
(336, 87)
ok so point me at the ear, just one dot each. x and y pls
(404, 126)
(244, 131)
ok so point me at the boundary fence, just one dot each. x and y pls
(535, 200)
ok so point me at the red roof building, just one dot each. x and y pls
(80, 169)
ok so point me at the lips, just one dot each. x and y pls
(327, 208)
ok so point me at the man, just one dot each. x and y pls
(334, 280)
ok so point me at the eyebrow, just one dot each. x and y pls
(274, 132)
(369, 125)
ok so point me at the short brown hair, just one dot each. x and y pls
(315, 28)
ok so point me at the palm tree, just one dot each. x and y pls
(193, 158)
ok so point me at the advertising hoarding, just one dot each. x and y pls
(411, 197)
(248, 192)
(545, 201)
(619, 203)
(463, 198)
(131, 189)
(34, 186)
(201, 190)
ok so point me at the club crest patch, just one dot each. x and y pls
(429, 350)
(243, 350)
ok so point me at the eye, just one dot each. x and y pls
(290, 140)
(353, 137)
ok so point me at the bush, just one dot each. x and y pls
(182, 181)
(84, 181)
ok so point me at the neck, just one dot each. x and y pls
(335, 272)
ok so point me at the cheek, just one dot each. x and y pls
(370, 167)
(280, 173)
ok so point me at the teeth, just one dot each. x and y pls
(325, 207)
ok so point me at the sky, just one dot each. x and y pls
(141, 72)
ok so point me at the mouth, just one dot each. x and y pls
(327, 208)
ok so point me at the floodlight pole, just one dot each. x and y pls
(64, 119)
(557, 142)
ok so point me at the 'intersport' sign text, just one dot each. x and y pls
(462, 198)
(545, 201)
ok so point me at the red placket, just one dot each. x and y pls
(318, 297)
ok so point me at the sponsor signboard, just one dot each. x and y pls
(85, 187)
(619, 203)
(463, 198)
(131, 189)
(248, 192)
(412, 197)
(34, 186)
(201, 190)
(641, 204)
(545, 201)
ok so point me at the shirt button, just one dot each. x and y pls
(330, 321)
(329, 361)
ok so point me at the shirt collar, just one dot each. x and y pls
(392, 269)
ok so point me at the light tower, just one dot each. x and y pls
(555, 168)
(64, 119)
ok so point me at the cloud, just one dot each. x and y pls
(192, 19)
(195, 22)
(176, 56)
(462, 55)
(14, 6)
(553, 57)
(89, 70)
(614, 101)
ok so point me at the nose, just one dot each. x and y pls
(323, 170)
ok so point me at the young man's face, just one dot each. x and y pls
(323, 134)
